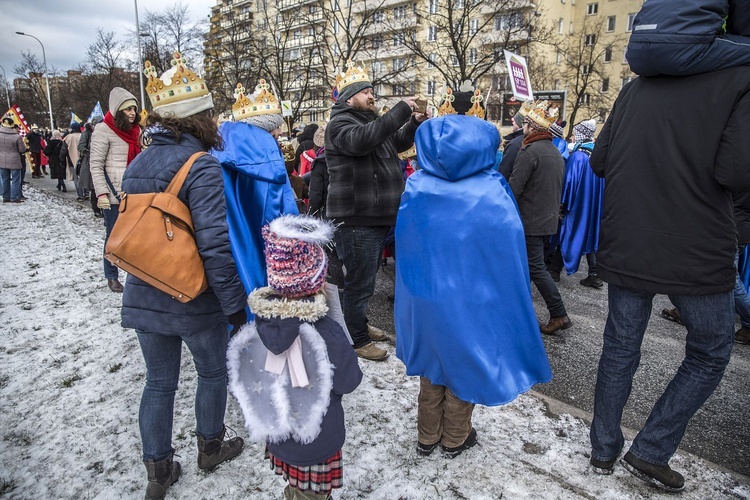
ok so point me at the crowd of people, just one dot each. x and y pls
(264, 219)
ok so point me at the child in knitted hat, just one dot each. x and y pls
(290, 367)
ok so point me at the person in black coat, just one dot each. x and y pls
(57, 169)
(304, 142)
(671, 152)
(511, 146)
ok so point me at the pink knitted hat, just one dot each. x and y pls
(295, 260)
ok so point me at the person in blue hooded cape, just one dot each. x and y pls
(581, 201)
(256, 185)
(464, 318)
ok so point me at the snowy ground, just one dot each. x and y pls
(71, 379)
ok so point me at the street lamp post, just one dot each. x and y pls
(140, 55)
(5, 84)
(46, 78)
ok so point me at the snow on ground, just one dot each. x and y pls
(71, 380)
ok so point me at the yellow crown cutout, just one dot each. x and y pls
(476, 108)
(447, 107)
(542, 114)
(353, 74)
(526, 107)
(262, 102)
(176, 84)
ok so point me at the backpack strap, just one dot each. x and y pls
(179, 178)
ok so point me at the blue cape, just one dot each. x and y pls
(257, 190)
(582, 195)
(463, 312)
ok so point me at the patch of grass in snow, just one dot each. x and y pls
(18, 438)
(115, 368)
(7, 485)
(69, 381)
(4, 379)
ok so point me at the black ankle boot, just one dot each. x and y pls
(212, 452)
(161, 475)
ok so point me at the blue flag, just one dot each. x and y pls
(96, 112)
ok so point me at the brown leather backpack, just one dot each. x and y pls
(153, 239)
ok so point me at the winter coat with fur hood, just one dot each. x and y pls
(108, 151)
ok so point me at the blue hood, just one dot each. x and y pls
(251, 151)
(456, 146)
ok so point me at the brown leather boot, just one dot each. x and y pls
(161, 475)
(555, 324)
(115, 285)
(212, 452)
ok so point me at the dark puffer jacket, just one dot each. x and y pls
(143, 306)
(365, 181)
(668, 225)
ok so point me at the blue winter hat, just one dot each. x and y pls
(75, 126)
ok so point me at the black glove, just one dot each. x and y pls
(237, 320)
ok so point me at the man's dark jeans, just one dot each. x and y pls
(359, 248)
(541, 278)
(710, 335)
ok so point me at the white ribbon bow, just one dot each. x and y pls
(275, 364)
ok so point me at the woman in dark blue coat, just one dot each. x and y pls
(178, 128)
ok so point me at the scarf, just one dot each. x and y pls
(536, 135)
(130, 137)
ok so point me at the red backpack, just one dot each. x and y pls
(306, 161)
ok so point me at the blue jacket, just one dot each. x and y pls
(143, 306)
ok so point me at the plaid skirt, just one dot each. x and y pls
(318, 478)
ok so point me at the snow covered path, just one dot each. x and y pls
(71, 380)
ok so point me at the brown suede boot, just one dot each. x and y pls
(161, 475)
(212, 452)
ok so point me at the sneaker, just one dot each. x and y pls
(471, 440)
(603, 467)
(672, 315)
(425, 450)
(742, 336)
(376, 334)
(371, 352)
(593, 281)
(661, 476)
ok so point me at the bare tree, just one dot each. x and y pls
(584, 68)
(31, 92)
(163, 33)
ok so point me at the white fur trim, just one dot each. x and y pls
(186, 107)
(302, 227)
(306, 310)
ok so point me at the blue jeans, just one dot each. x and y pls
(710, 335)
(110, 217)
(162, 355)
(10, 179)
(741, 299)
(541, 278)
(359, 248)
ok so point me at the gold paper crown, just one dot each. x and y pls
(542, 114)
(353, 74)
(447, 107)
(476, 108)
(263, 102)
(178, 83)
(525, 108)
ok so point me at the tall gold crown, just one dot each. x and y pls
(447, 107)
(353, 74)
(543, 114)
(178, 83)
(476, 108)
(263, 102)
(526, 107)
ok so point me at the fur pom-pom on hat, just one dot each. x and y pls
(295, 260)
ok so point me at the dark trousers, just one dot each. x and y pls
(541, 278)
(110, 217)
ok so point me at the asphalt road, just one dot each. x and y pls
(719, 431)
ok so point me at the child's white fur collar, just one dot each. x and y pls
(308, 311)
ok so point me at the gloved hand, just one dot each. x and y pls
(103, 202)
(237, 320)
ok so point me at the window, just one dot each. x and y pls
(472, 56)
(313, 9)
(399, 89)
(454, 60)
(473, 26)
(459, 4)
(376, 42)
(432, 34)
(376, 67)
(561, 26)
(399, 64)
(625, 81)
(611, 22)
(631, 17)
(507, 21)
(592, 9)
(558, 57)
(433, 6)
(297, 34)
(335, 4)
(336, 26)
(556, 84)
(399, 39)
(625, 56)
(585, 69)
(433, 59)
(590, 40)
(431, 86)
(605, 84)
(378, 16)
(608, 55)
(585, 99)
(399, 12)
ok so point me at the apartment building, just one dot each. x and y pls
(409, 47)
